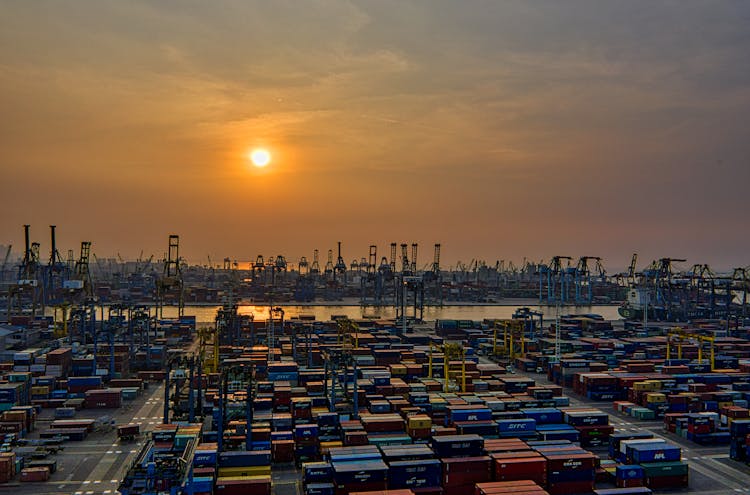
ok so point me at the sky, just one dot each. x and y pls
(500, 129)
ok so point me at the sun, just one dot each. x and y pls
(260, 157)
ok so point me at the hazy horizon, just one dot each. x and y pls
(500, 130)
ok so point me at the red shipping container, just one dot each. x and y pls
(403, 491)
(428, 490)
(466, 464)
(632, 483)
(261, 434)
(458, 489)
(419, 432)
(667, 482)
(571, 462)
(352, 438)
(568, 487)
(460, 479)
(523, 468)
(516, 455)
(35, 474)
(282, 450)
(503, 486)
(231, 486)
(361, 487)
(700, 429)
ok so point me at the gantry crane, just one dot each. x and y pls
(347, 333)
(171, 279)
(677, 336)
(5, 262)
(741, 283)
(315, 267)
(209, 336)
(583, 279)
(337, 363)
(555, 275)
(340, 266)
(328, 270)
(450, 351)
(303, 267)
(26, 286)
(513, 333)
(258, 267)
(433, 278)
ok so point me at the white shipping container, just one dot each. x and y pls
(54, 370)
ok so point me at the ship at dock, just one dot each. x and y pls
(661, 293)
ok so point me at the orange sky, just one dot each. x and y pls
(502, 130)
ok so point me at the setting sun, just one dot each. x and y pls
(260, 157)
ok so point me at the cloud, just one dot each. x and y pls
(537, 117)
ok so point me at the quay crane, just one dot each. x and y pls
(171, 280)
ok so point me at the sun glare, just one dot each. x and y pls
(260, 157)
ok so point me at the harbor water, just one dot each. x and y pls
(207, 314)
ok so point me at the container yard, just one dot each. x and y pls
(349, 406)
(105, 398)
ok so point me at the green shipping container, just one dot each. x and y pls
(182, 440)
(642, 413)
(658, 469)
(390, 440)
(129, 393)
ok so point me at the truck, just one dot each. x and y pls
(128, 432)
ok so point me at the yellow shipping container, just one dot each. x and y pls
(221, 479)
(419, 422)
(647, 385)
(656, 398)
(654, 384)
(725, 404)
(245, 471)
(398, 369)
(40, 390)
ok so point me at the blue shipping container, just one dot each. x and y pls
(544, 415)
(516, 425)
(320, 489)
(414, 474)
(243, 459)
(314, 472)
(640, 453)
(629, 472)
(359, 472)
(204, 458)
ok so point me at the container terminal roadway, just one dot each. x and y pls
(96, 465)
